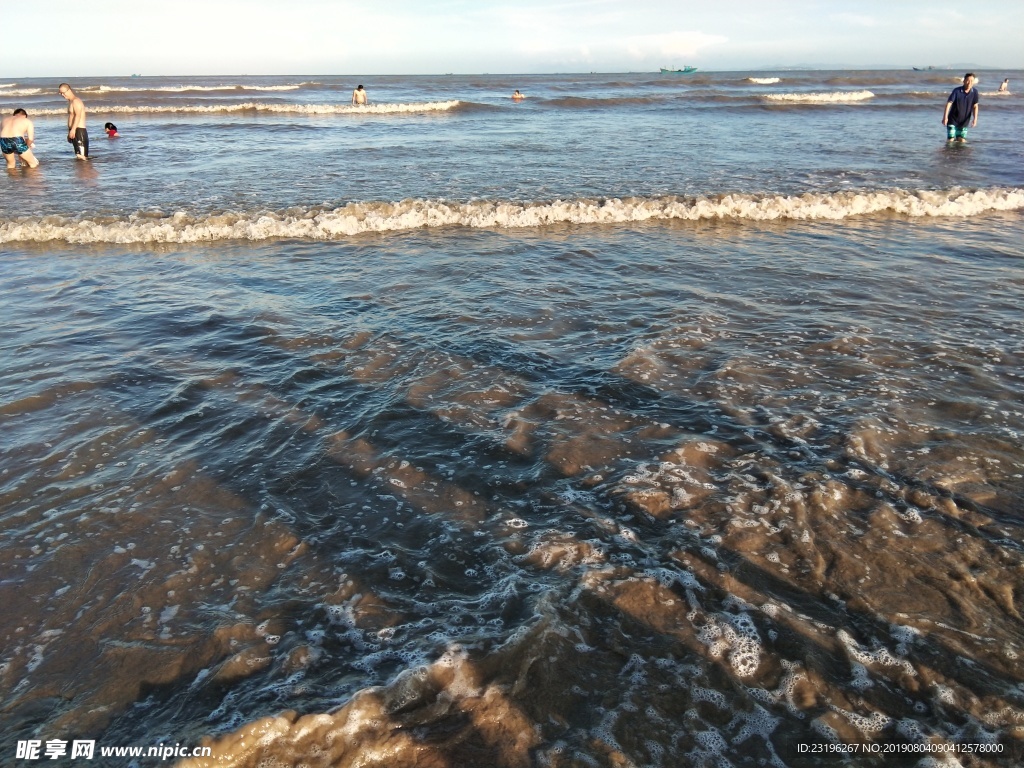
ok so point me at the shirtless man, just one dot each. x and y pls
(78, 137)
(17, 135)
(359, 96)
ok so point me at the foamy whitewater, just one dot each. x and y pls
(357, 218)
(654, 420)
(821, 98)
(256, 106)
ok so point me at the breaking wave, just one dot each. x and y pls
(763, 80)
(326, 223)
(590, 102)
(255, 106)
(820, 98)
(188, 88)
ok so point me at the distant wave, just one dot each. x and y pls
(763, 80)
(324, 223)
(939, 95)
(820, 98)
(707, 97)
(255, 106)
(188, 88)
(476, 106)
(7, 85)
(873, 78)
(22, 92)
(590, 102)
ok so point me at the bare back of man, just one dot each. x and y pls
(17, 135)
(359, 96)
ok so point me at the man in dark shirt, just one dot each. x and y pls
(961, 109)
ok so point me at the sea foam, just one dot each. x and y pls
(256, 106)
(763, 80)
(189, 88)
(325, 223)
(832, 97)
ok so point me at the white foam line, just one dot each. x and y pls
(255, 106)
(357, 218)
(188, 88)
(820, 98)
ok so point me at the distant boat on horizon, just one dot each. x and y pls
(922, 69)
(683, 71)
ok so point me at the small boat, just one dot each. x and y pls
(683, 71)
(923, 69)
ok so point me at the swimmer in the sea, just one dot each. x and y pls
(111, 130)
(359, 96)
(517, 96)
(17, 136)
(1004, 87)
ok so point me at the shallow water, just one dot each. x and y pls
(462, 139)
(602, 488)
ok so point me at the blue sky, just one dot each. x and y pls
(192, 37)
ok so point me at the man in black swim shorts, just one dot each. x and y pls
(78, 137)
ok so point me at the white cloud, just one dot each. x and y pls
(854, 20)
(647, 49)
(670, 44)
(943, 19)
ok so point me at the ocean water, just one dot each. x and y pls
(649, 421)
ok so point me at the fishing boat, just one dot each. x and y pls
(683, 71)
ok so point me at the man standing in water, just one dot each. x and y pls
(961, 107)
(78, 137)
(359, 96)
(17, 135)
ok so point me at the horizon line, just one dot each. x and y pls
(788, 67)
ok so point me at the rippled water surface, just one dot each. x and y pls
(680, 430)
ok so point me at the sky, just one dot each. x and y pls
(69, 38)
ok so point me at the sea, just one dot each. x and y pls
(649, 420)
